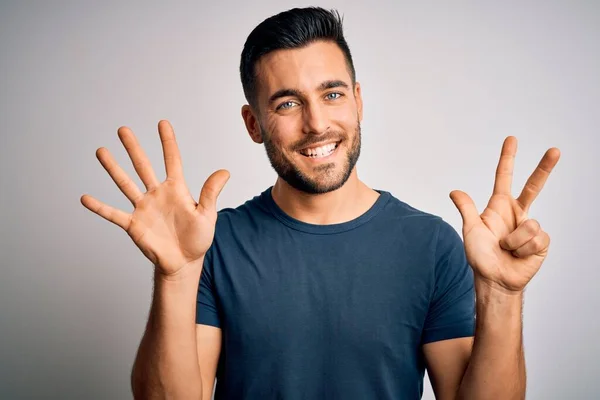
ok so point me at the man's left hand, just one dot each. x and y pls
(503, 246)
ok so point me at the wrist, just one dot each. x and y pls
(191, 271)
(487, 287)
(499, 313)
(497, 307)
(177, 289)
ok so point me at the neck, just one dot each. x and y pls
(348, 202)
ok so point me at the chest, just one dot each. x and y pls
(324, 295)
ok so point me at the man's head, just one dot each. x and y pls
(299, 80)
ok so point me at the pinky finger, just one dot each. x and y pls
(107, 212)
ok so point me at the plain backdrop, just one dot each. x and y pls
(443, 82)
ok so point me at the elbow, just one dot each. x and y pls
(137, 385)
(146, 385)
(143, 386)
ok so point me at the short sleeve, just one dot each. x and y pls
(451, 311)
(206, 305)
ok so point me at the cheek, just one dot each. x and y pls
(346, 115)
(283, 131)
(271, 125)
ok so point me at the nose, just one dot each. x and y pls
(316, 120)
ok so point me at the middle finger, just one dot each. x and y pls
(140, 162)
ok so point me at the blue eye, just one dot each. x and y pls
(336, 94)
(286, 105)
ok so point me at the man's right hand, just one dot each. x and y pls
(167, 224)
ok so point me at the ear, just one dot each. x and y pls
(359, 102)
(252, 125)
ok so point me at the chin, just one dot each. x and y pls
(324, 181)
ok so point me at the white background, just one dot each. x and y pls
(444, 83)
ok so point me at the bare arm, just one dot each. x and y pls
(497, 366)
(446, 362)
(489, 366)
(174, 232)
(167, 365)
(506, 249)
(209, 348)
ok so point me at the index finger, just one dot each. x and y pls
(538, 178)
(171, 154)
(504, 171)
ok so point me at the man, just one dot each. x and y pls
(322, 287)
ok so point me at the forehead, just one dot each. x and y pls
(303, 68)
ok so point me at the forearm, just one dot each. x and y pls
(166, 365)
(496, 369)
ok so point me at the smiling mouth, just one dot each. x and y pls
(321, 151)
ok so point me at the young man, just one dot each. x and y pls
(321, 287)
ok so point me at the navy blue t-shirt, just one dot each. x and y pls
(332, 311)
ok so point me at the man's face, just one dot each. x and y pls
(309, 116)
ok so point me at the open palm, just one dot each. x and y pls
(167, 224)
(503, 246)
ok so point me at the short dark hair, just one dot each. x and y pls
(291, 29)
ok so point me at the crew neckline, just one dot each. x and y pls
(318, 229)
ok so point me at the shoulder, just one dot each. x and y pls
(418, 221)
(403, 207)
(239, 225)
(245, 214)
(421, 228)
(247, 224)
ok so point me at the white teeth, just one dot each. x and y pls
(320, 151)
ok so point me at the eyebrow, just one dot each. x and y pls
(297, 93)
(333, 84)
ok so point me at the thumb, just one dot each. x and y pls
(466, 208)
(212, 188)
